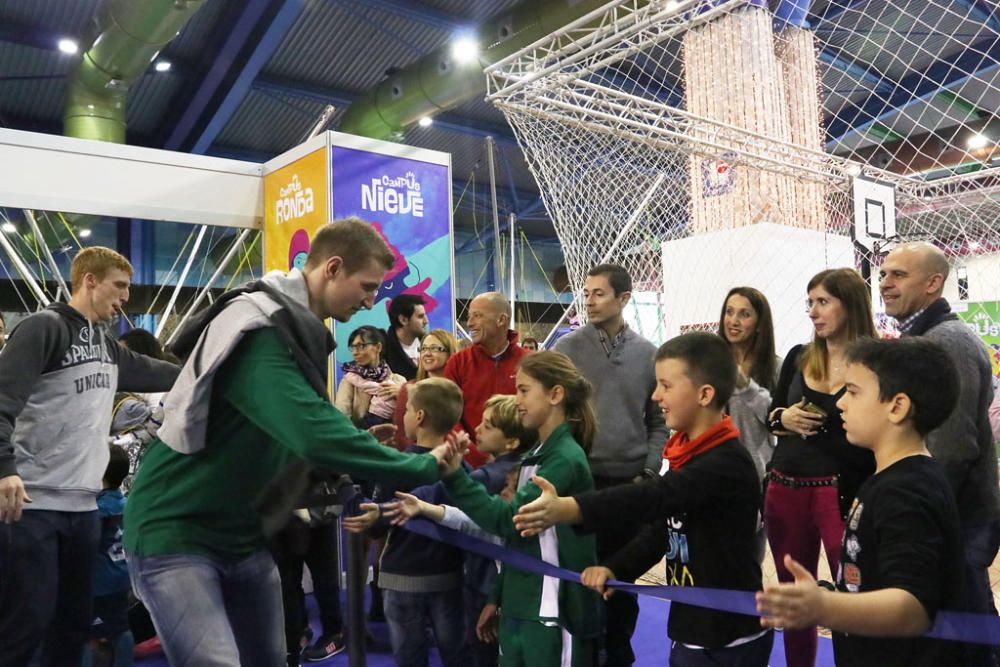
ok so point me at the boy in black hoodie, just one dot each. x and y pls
(702, 512)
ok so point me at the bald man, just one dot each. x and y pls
(487, 367)
(911, 280)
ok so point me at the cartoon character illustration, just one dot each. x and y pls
(394, 283)
(395, 280)
(298, 250)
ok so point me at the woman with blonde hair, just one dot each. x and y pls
(435, 349)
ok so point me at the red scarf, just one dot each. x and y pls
(680, 448)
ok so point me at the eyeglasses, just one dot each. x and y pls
(431, 348)
(357, 347)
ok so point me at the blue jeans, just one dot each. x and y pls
(408, 615)
(46, 582)
(211, 613)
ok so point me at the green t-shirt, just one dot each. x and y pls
(263, 415)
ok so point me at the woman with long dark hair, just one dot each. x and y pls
(815, 473)
(746, 325)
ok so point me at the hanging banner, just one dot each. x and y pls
(984, 318)
(295, 206)
(408, 200)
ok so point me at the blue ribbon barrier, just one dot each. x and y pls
(949, 625)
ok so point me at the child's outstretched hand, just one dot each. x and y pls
(791, 606)
(543, 511)
(595, 577)
(486, 626)
(362, 522)
(402, 510)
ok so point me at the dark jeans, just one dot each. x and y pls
(46, 578)
(315, 546)
(409, 614)
(621, 609)
(981, 544)
(752, 654)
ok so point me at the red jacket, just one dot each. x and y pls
(480, 376)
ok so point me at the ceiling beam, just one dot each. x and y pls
(278, 25)
(876, 81)
(980, 59)
(237, 36)
(39, 38)
(417, 12)
(836, 9)
(449, 121)
(982, 12)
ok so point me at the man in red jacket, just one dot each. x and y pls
(487, 367)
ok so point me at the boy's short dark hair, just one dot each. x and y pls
(117, 469)
(708, 360)
(441, 401)
(914, 366)
(142, 342)
(617, 276)
(403, 306)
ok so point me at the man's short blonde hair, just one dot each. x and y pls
(352, 239)
(441, 401)
(98, 261)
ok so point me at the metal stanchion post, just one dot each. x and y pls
(357, 571)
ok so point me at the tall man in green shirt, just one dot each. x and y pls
(250, 401)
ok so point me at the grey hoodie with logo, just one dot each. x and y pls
(58, 377)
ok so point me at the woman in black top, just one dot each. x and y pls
(815, 472)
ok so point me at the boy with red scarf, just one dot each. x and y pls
(702, 512)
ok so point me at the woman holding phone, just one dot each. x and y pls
(814, 471)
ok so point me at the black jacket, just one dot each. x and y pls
(396, 357)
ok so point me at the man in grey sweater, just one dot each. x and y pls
(911, 280)
(58, 378)
(631, 431)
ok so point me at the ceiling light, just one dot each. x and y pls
(162, 66)
(977, 141)
(974, 245)
(465, 49)
(672, 5)
(854, 170)
(84, 233)
(426, 121)
(68, 46)
(8, 228)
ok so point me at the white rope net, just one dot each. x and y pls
(687, 142)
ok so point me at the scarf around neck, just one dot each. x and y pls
(373, 373)
(680, 448)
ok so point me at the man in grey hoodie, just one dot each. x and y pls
(58, 378)
(911, 281)
(631, 432)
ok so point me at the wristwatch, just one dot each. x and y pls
(774, 424)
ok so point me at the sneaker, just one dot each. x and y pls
(325, 646)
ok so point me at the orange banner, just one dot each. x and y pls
(296, 204)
